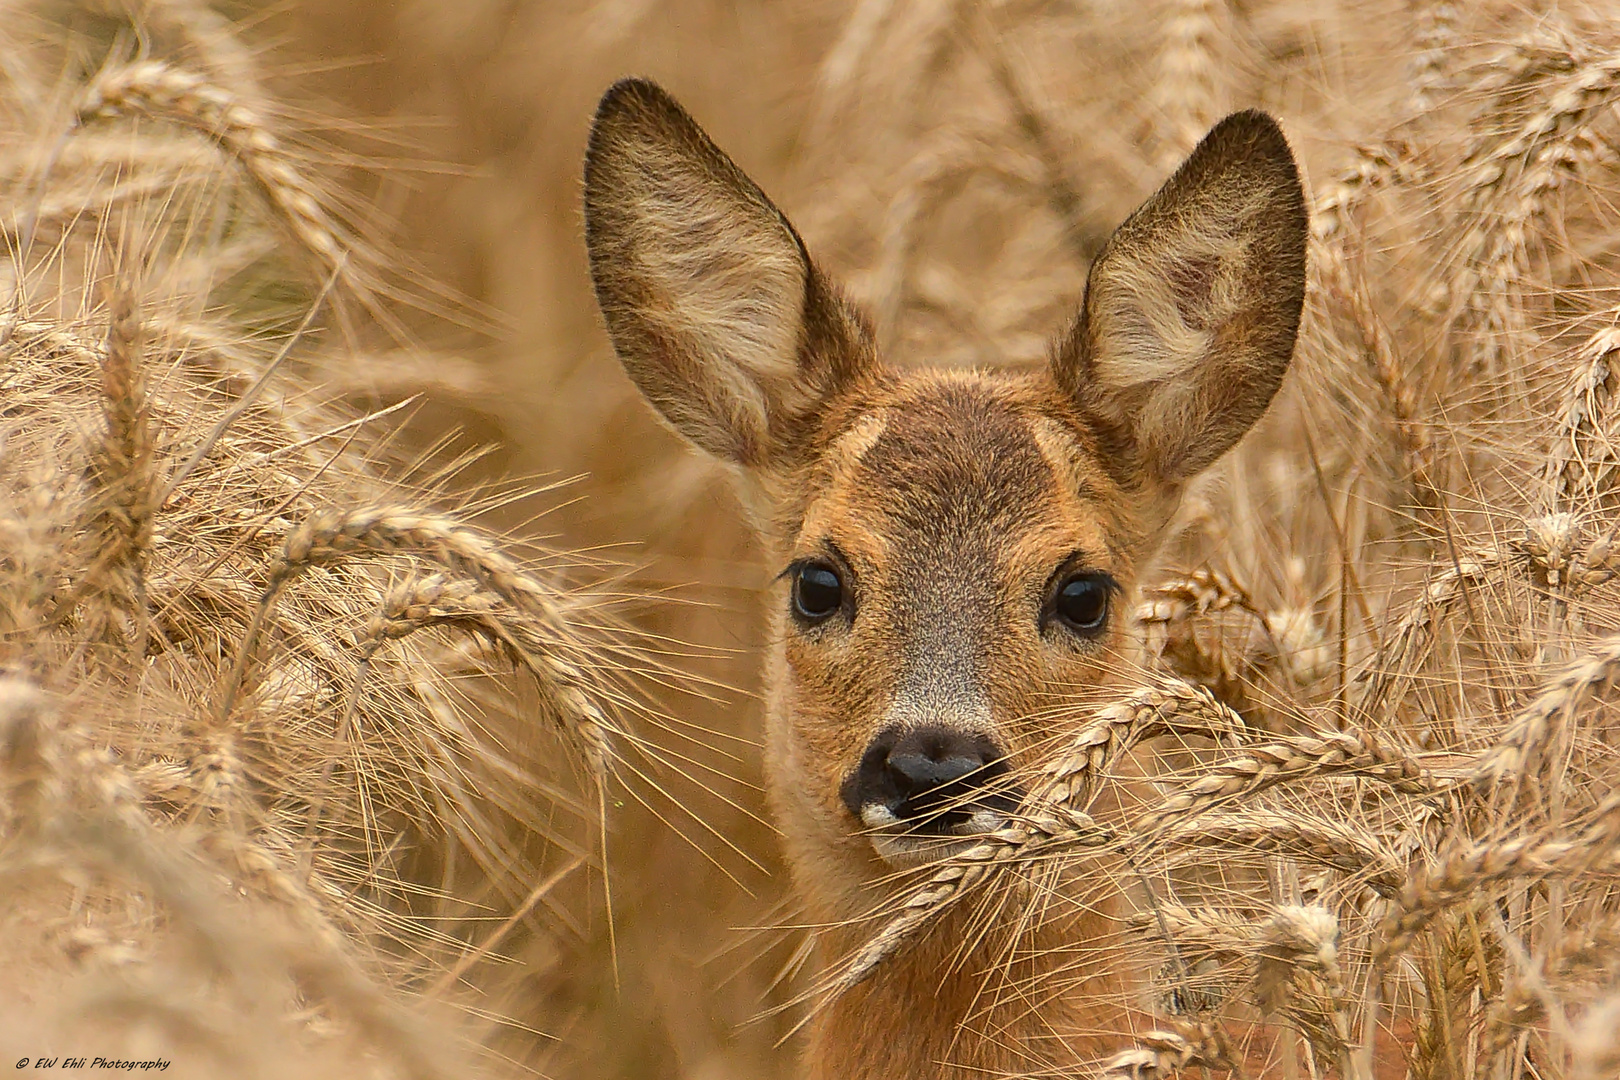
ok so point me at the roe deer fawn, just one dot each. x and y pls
(956, 543)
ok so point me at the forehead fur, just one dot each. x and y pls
(963, 455)
(958, 454)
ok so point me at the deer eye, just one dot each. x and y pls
(818, 592)
(1081, 602)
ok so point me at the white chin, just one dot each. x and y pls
(904, 850)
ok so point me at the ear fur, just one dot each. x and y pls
(1192, 309)
(709, 296)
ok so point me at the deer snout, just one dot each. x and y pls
(933, 779)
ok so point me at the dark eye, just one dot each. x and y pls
(1081, 602)
(817, 591)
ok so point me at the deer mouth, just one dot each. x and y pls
(908, 842)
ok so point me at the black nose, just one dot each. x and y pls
(934, 777)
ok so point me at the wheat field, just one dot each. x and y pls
(379, 686)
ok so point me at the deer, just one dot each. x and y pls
(956, 546)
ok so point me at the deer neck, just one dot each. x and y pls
(940, 1009)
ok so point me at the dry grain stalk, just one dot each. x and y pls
(76, 812)
(156, 89)
(1288, 958)
(1435, 40)
(34, 335)
(1295, 835)
(1063, 195)
(1169, 612)
(1387, 672)
(121, 465)
(1468, 868)
(1161, 1053)
(1518, 756)
(1550, 548)
(1509, 186)
(1171, 708)
(1190, 91)
(1054, 816)
(330, 535)
(1335, 207)
(930, 180)
(1290, 759)
(1197, 593)
(1345, 281)
(1583, 458)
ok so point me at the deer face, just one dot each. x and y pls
(953, 547)
(954, 557)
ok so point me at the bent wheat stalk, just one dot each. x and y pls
(1290, 759)
(1296, 835)
(159, 90)
(1052, 817)
(1517, 755)
(1468, 868)
(329, 535)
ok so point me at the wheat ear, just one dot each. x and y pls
(1396, 657)
(1295, 835)
(1051, 816)
(1292, 758)
(30, 769)
(1197, 593)
(1582, 459)
(1188, 93)
(121, 467)
(1434, 42)
(1467, 868)
(332, 534)
(1517, 753)
(49, 338)
(1173, 707)
(156, 89)
(1528, 167)
(1160, 1053)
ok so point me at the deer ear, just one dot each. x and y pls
(709, 296)
(1192, 309)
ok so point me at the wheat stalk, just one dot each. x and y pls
(1527, 168)
(1518, 752)
(156, 89)
(122, 469)
(1171, 707)
(1467, 868)
(1052, 817)
(1295, 835)
(1390, 666)
(1289, 760)
(1196, 593)
(1435, 40)
(1581, 459)
(329, 535)
(1189, 91)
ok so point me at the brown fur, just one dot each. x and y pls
(949, 500)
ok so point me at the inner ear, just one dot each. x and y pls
(709, 295)
(1192, 309)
